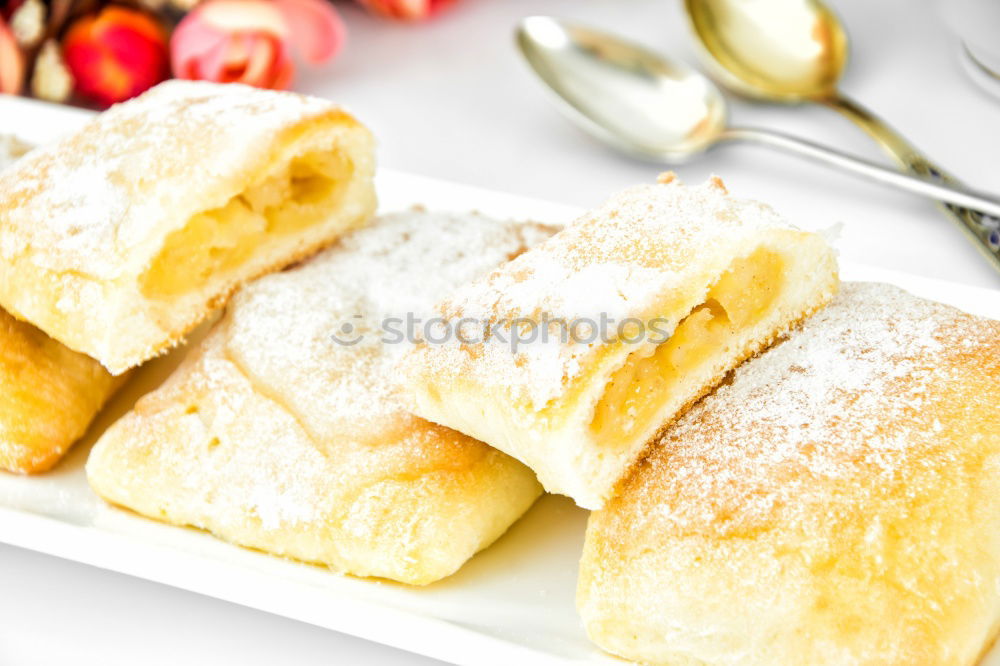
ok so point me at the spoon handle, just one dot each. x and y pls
(984, 230)
(953, 194)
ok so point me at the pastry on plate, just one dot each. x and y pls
(283, 431)
(836, 503)
(595, 339)
(118, 239)
(49, 394)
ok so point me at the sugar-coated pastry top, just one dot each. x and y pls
(583, 347)
(852, 393)
(620, 260)
(834, 502)
(156, 151)
(280, 327)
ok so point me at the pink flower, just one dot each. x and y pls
(406, 10)
(249, 41)
(11, 62)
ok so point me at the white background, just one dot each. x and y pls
(450, 99)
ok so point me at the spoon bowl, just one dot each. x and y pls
(623, 93)
(781, 50)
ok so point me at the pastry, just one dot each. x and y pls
(120, 238)
(836, 503)
(595, 339)
(49, 394)
(283, 431)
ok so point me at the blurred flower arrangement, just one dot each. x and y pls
(97, 53)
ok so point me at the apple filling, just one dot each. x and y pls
(302, 194)
(639, 389)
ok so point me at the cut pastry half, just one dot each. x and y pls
(598, 337)
(120, 238)
(283, 431)
(835, 503)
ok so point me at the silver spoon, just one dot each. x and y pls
(639, 102)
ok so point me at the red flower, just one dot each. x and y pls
(406, 10)
(115, 54)
(11, 62)
(249, 41)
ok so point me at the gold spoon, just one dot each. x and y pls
(794, 51)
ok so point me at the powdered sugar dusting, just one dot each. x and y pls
(137, 162)
(619, 261)
(263, 488)
(280, 327)
(853, 390)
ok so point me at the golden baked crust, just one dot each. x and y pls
(579, 411)
(49, 394)
(274, 436)
(109, 235)
(835, 503)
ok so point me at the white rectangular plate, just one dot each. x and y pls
(512, 603)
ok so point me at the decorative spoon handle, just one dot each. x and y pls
(955, 196)
(983, 230)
